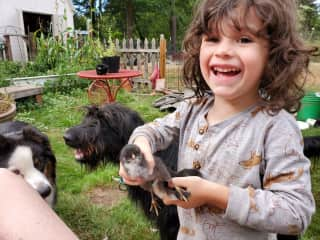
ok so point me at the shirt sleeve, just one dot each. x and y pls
(162, 131)
(285, 204)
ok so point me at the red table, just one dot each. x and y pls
(109, 83)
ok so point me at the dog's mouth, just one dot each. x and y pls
(80, 153)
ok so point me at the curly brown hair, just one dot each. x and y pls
(285, 74)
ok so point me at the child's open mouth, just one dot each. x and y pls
(230, 72)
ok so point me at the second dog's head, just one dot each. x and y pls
(102, 133)
(28, 153)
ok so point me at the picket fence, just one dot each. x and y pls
(145, 56)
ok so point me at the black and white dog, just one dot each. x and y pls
(27, 152)
(100, 137)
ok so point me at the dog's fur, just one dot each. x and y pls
(26, 151)
(312, 147)
(100, 138)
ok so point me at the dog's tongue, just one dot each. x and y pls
(78, 154)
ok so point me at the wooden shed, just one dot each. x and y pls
(19, 19)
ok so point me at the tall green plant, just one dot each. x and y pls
(63, 54)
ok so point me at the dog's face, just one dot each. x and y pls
(28, 154)
(85, 138)
(102, 134)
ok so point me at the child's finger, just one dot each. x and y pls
(170, 201)
(178, 181)
(134, 182)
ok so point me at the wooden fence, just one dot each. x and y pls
(148, 57)
(145, 56)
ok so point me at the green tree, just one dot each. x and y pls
(309, 19)
(89, 10)
(150, 18)
(138, 18)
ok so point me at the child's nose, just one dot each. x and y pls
(224, 48)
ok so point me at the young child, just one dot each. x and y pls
(242, 136)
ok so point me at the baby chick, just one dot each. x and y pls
(136, 166)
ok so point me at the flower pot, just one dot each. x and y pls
(113, 63)
(7, 112)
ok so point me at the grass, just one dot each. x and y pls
(88, 221)
(95, 222)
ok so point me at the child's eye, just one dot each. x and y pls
(212, 39)
(245, 40)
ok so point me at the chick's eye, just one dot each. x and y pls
(245, 40)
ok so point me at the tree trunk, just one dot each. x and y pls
(93, 15)
(173, 27)
(130, 20)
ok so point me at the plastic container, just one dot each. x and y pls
(310, 107)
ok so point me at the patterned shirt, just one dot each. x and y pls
(260, 157)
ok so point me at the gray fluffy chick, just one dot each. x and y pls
(136, 166)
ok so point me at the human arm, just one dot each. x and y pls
(199, 189)
(21, 205)
(285, 203)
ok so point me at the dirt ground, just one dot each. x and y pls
(108, 196)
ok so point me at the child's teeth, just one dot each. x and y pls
(225, 69)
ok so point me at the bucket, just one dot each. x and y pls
(310, 107)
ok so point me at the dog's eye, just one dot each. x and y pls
(36, 161)
(38, 164)
(16, 171)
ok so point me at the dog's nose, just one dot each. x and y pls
(67, 137)
(44, 190)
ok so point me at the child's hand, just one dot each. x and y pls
(202, 192)
(127, 179)
(194, 185)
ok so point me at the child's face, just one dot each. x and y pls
(232, 62)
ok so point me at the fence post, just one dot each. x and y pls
(8, 48)
(162, 60)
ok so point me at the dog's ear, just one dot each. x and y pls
(101, 115)
(5, 143)
(92, 110)
(32, 134)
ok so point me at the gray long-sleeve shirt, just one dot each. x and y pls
(260, 157)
